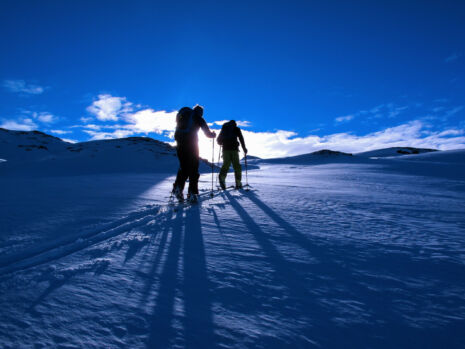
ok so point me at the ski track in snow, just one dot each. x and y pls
(339, 255)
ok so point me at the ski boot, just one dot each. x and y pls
(192, 198)
(177, 192)
(238, 186)
(222, 184)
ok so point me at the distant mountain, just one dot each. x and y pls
(36, 151)
(456, 156)
(251, 158)
(394, 151)
(324, 155)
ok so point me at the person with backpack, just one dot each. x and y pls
(188, 123)
(228, 140)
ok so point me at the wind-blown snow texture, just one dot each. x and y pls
(365, 254)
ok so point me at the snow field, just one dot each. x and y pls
(315, 256)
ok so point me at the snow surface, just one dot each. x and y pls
(355, 254)
(395, 151)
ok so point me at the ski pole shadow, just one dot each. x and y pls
(171, 224)
(297, 289)
(183, 235)
(313, 247)
(161, 329)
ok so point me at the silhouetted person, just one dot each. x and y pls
(188, 122)
(228, 137)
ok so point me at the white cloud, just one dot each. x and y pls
(346, 118)
(19, 125)
(69, 140)
(451, 132)
(240, 123)
(286, 143)
(243, 123)
(272, 144)
(20, 86)
(149, 120)
(389, 110)
(44, 117)
(95, 135)
(60, 132)
(109, 108)
(86, 119)
(91, 126)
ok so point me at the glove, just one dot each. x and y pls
(245, 151)
(213, 134)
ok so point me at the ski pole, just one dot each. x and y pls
(219, 158)
(213, 160)
(246, 177)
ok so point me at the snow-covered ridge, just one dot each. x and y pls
(456, 156)
(324, 155)
(36, 151)
(395, 151)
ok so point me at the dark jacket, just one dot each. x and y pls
(188, 123)
(229, 135)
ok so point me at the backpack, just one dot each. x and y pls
(227, 133)
(184, 122)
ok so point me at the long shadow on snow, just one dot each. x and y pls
(391, 331)
(198, 320)
(296, 303)
(161, 320)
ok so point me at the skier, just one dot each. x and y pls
(188, 122)
(228, 139)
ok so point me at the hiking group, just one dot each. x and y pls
(188, 123)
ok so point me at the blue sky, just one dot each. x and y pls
(301, 75)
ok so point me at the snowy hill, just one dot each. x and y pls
(251, 158)
(447, 157)
(39, 153)
(320, 156)
(25, 146)
(354, 252)
(394, 151)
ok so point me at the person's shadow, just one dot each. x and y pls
(189, 282)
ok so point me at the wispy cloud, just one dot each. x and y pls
(28, 120)
(60, 132)
(454, 110)
(109, 108)
(23, 124)
(21, 87)
(240, 123)
(385, 110)
(97, 135)
(452, 57)
(44, 117)
(86, 119)
(342, 119)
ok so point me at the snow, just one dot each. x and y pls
(321, 156)
(38, 154)
(395, 151)
(327, 254)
